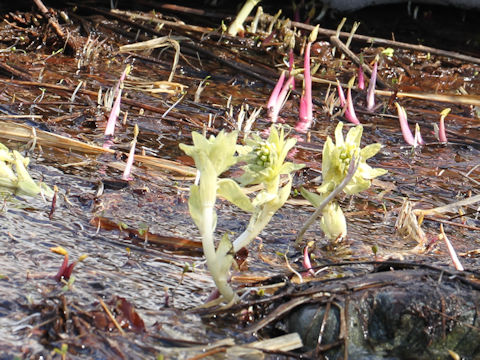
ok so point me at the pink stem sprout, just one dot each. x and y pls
(282, 97)
(418, 136)
(350, 111)
(306, 107)
(371, 88)
(273, 100)
(131, 155)
(402, 117)
(442, 135)
(306, 261)
(361, 78)
(341, 94)
(451, 251)
(112, 119)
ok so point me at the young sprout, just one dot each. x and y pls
(131, 156)
(341, 94)
(371, 87)
(418, 136)
(291, 62)
(237, 25)
(277, 99)
(306, 261)
(361, 78)
(272, 101)
(451, 251)
(112, 119)
(407, 134)
(442, 135)
(65, 270)
(306, 106)
(349, 109)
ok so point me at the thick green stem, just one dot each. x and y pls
(214, 260)
(237, 24)
(254, 228)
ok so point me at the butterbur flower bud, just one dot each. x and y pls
(333, 222)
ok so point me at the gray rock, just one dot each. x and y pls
(406, 314)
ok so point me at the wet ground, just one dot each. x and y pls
(150, 281)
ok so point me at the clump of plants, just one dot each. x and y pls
(263, 162)
(344, 168)
(15, 177)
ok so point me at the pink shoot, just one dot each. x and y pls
(282, 97)
(371, 88)
(350, 111)
(272, 102)
(442, 135)
(306, 261)
(451, 251)
(65, 270)
(341, 94)
(361, 78)
(306, 106)
(418, 136)
(131, 156)
(112, 119)
(402, 117)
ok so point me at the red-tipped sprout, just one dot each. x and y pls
(131, 155)
(371, 88)
(306, 107)
(361, 78)
(306, 261)
(65, 270)
(407, 134)
(273, 100)
(451, 251)
(349, 109)
(341, 94)
(112, 119)
(442, 135)
(282, 97)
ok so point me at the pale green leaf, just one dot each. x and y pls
(290, 167)
(25, 183)
(313, 198)
(231, 191)
(283, 195)
(370, 150)
(195, 206)
(224, 256)
(262, 198)
(354, 136)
